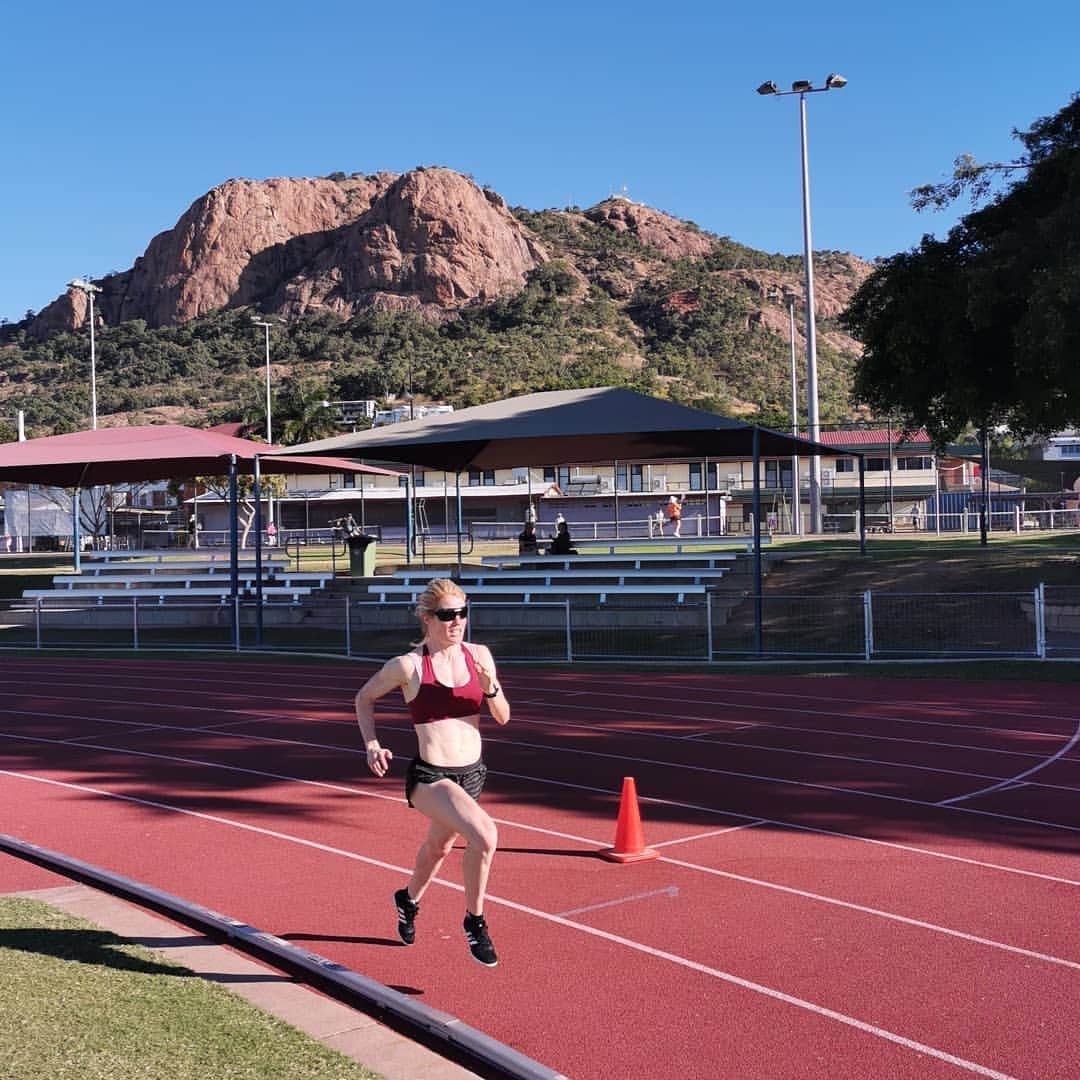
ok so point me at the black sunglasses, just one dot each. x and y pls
(451, 613)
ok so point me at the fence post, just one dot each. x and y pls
(236, 622)
(1040, 620)
(135, 622)
(1016, 520)
(37, 621)
(868, 626)
(569, 635)
(348, 629)
(708, 628)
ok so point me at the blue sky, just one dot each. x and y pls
(118, 116)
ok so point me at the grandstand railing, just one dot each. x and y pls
(1042, 624)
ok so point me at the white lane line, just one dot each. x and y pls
(805, 894)
(671, 890)
(878, 913)
(707, 835)
(659, 954)
(1019, 776)
(282, 693)
(549, 782)
(861, 793)
(781, 728)
(982, 864)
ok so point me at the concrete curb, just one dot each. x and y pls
(453, 1039)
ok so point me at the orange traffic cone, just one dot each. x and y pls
(629, 838)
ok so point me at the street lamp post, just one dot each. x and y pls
(796, 511)
(802, 87)
(266, 326)
(88, 287)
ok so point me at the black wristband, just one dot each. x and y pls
(494, 693)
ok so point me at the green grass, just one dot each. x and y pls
(78, 1003)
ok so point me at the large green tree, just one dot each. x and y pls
(983, 327)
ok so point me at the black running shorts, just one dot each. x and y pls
(469, 777)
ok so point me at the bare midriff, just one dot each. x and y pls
(450, 742)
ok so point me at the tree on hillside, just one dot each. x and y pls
(983, 327)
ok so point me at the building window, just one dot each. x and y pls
(777, 474)
(844, 464)
(481, 477)
(696, 483)
(348, 480)
(635, 477)
(549, 474)
(1069, 449)
(914, 463)
(877, 464)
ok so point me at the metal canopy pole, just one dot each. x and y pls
(758, 576)
(258, 556)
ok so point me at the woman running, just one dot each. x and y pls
(444, 681)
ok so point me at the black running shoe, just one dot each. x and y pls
(476, 934)
(406, 914)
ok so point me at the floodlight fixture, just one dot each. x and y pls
(835, 82)
(801, 86)
(768, 88)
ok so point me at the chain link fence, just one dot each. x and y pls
(1041, 624)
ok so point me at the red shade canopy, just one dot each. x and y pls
(153, 452)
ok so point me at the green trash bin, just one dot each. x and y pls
(362, 555)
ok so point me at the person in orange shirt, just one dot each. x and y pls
(674, 515)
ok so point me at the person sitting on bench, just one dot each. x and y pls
(561, 544)
(527, 539)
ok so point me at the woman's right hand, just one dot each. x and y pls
(378, 759)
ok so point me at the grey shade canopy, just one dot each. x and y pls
(562, 427)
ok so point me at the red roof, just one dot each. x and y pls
(860, 437)
(151, 452)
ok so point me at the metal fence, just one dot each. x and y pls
(1041, 624)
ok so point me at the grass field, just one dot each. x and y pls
(78, 1003)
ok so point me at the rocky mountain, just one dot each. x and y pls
(427, 239)
(426, 276)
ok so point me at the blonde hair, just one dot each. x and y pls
(436, 590)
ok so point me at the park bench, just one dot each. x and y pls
(543, 592)
(689, 563)
(579, 575)
(691, 546)
(101, 596)
(219, 581)
(175, 566)
(178, 555)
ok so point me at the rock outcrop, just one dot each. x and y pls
(672, 238)
(429, 239)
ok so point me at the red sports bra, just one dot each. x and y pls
(437, 701)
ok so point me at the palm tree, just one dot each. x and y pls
(303, 413)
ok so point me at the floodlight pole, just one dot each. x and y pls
(266, 326)
(88, 287)
(269, 435)
(802, 88)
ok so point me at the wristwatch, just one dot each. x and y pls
(494, 693)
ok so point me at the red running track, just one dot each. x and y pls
(858, 877)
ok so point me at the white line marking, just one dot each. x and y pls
(1020, 776)
(671, 890)
(849, 791)
(617, 939)
(878, 913)
(706, 835)
(854, 837)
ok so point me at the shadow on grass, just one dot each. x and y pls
(85, 946)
